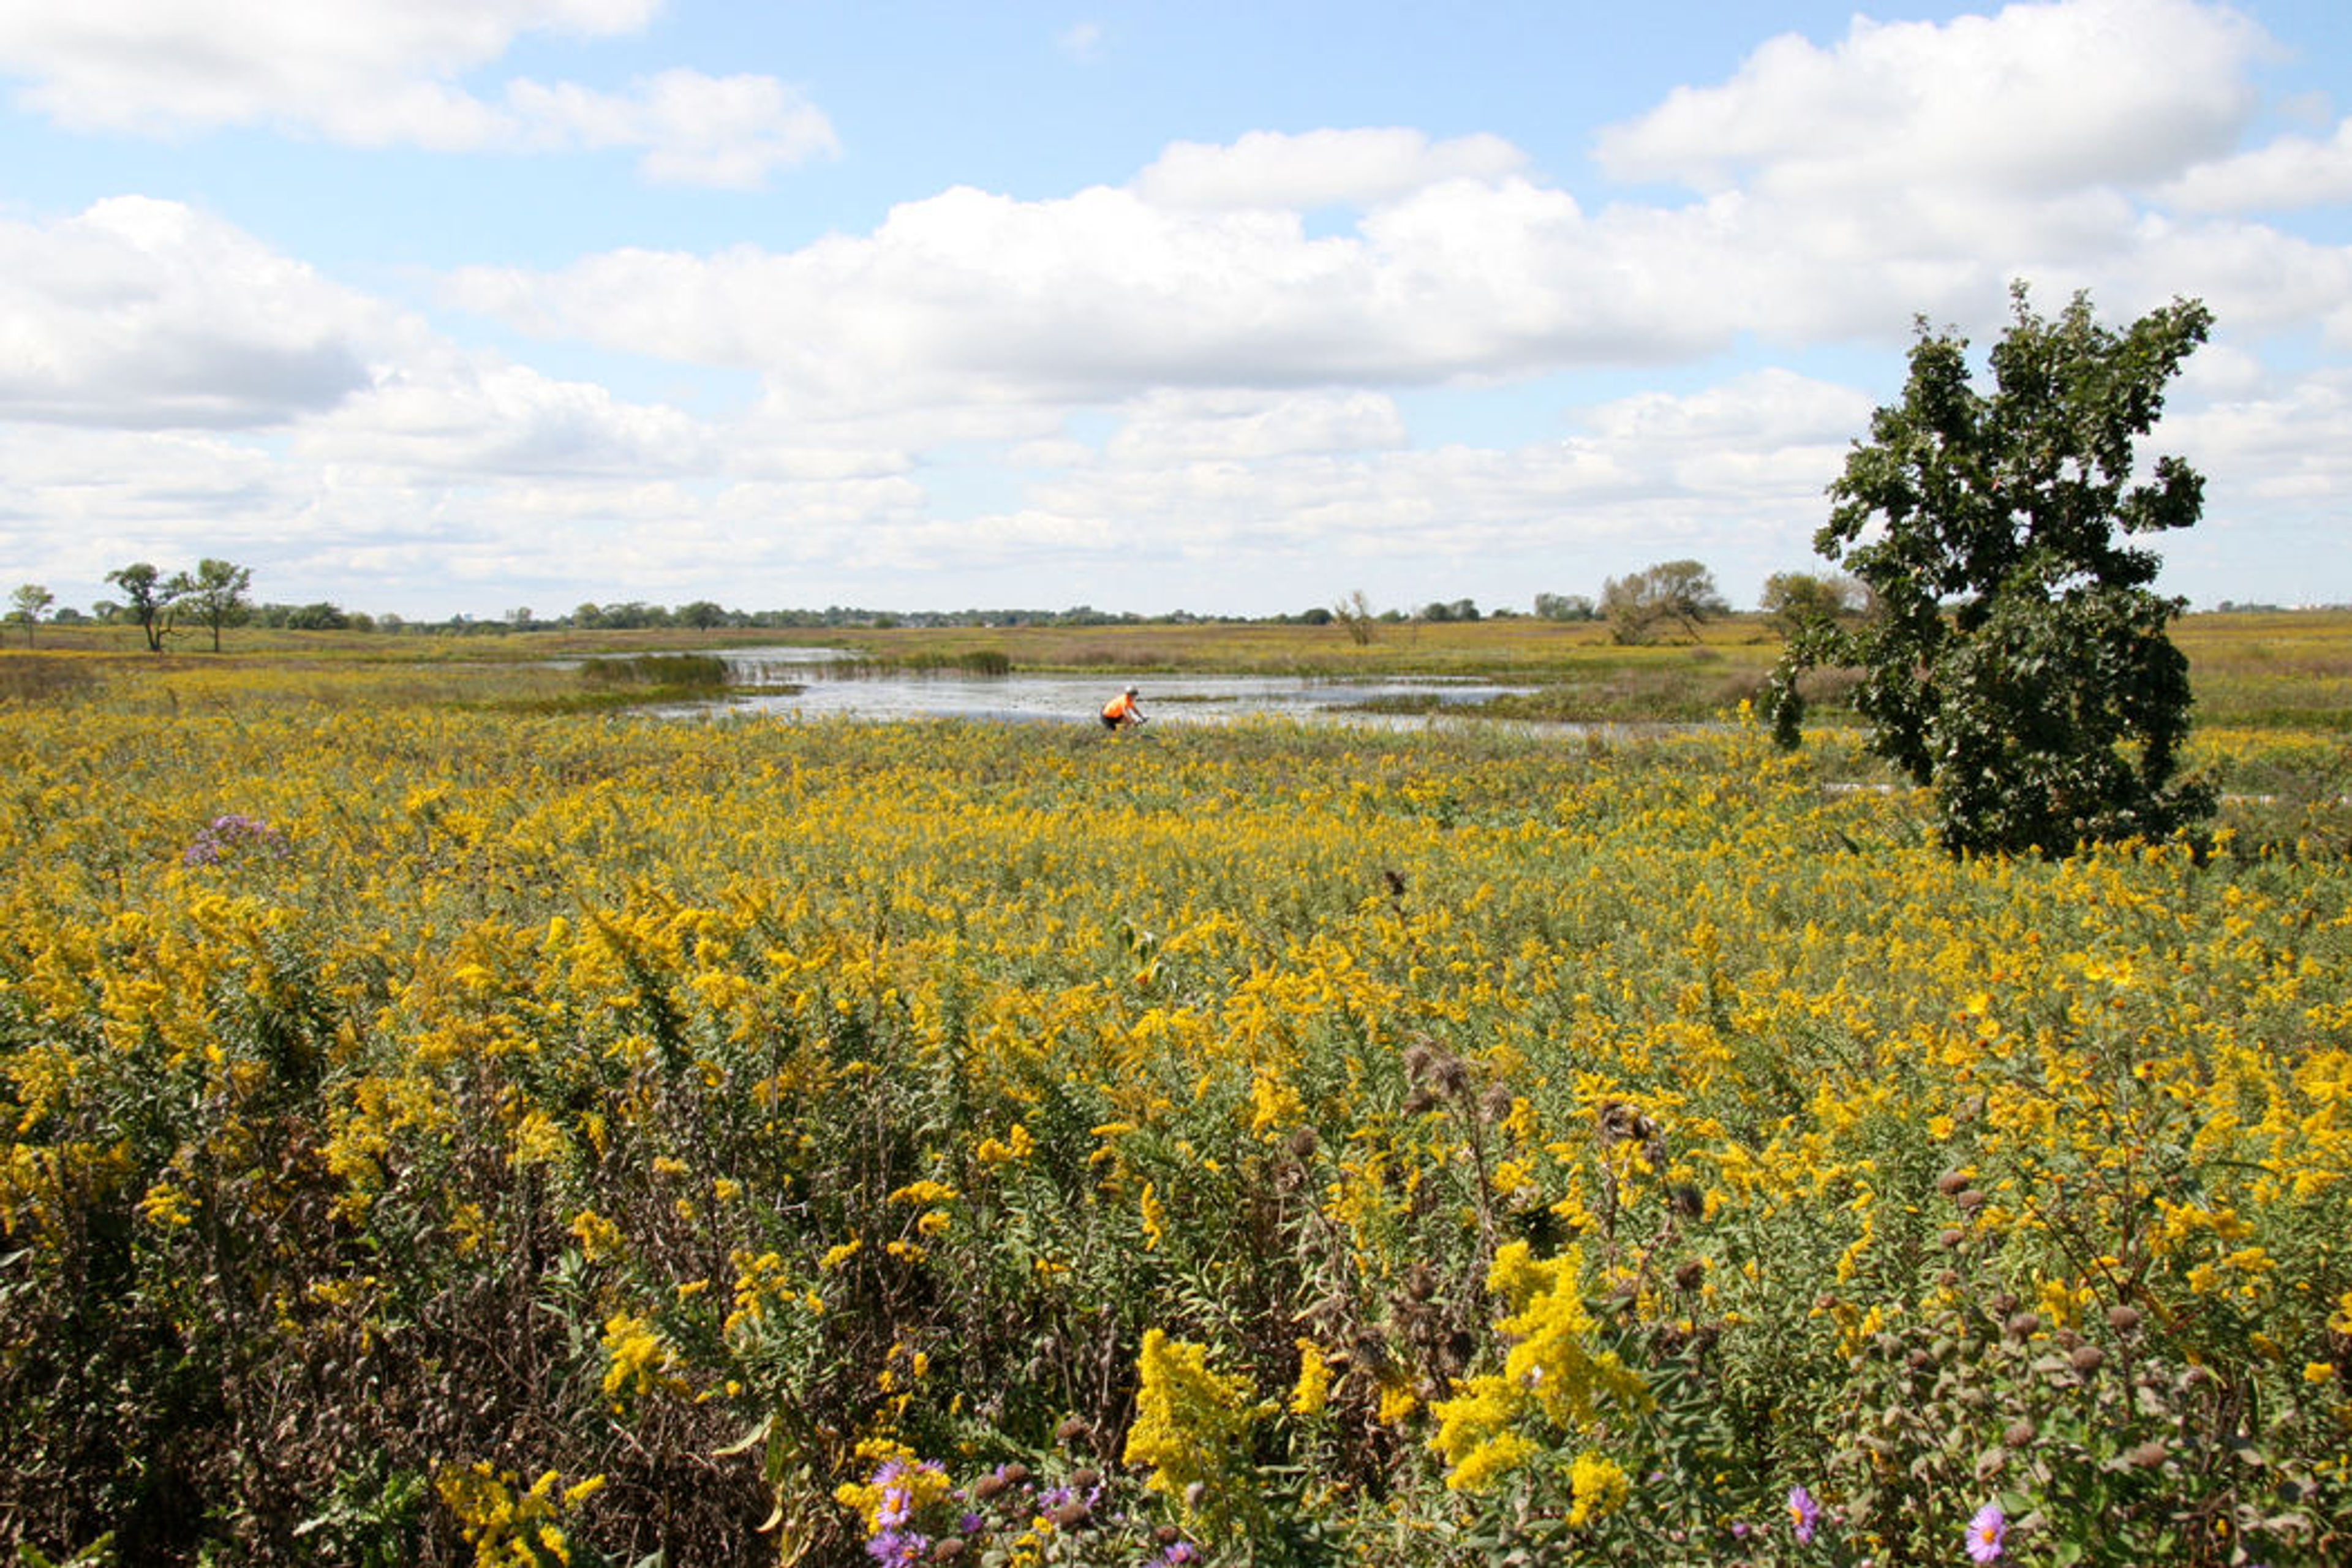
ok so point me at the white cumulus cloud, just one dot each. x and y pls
(2034, 99)
(139, 312)
(375, 73)
(2289, 174)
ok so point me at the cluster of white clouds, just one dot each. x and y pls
(1194, 368)
(389, 74)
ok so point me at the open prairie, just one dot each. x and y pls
(444, 1118)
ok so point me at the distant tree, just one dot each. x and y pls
(633, 616)
(1679, 591)
(520, 617)
(322, 616)
(29, 602)
(150, 600)
(2018, 663)
(587, 616)
(215, 595)
(1355, 613)
(1315, 616)
(702, 614)
(1795, 599)
(1564, 607)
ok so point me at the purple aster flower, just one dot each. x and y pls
(1179, 1552)
(897, 1504)
(1987, 1531)
(1804, 1514)
(898, 1546)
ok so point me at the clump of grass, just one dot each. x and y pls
(972, 661)
(667, 671)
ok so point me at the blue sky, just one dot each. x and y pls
(463, 306)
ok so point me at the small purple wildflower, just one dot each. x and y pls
(1179, 1551)
(229, 831)
(1804, 1514)
(898, 1546)
(1986, 1532)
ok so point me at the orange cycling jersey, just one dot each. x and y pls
(1119, 706)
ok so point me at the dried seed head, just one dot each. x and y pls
(1690, 1276)
(1620, 1122)
(1951, 1237)
(1450, 1074)
(2020, 1325)
(1950, 1182)
(1950, 1278)
(1417, 1057)
(947, 1548)
(1303, 1144)
(1070, 1513)
(1421, 1282)
(2020, 1432)
(1071, 1431)
(1968, 1200)
(2122, 1318)
(1495, 1103)
(2148, 1455)
(2088, 1358)
(1086, 1478)
(1688, 1201)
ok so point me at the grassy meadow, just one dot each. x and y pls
(448, 1119)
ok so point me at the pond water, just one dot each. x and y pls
(833, 685)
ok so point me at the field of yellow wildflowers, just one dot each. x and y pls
(436, 1133)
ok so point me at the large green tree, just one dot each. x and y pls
(215, 595)
(151, 599)
(2017, 660)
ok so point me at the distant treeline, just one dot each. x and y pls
(702, 615)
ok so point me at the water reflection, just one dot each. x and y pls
(831, 683)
